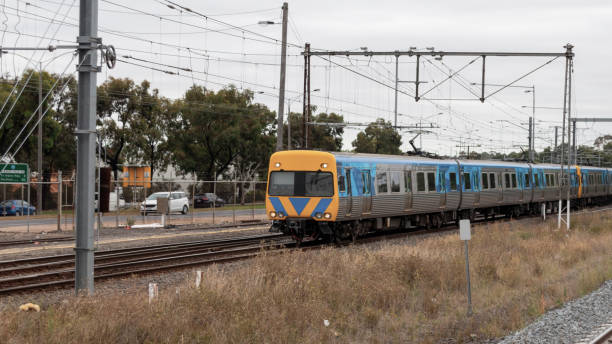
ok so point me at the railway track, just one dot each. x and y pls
(9, 243)
(58, 271)
(604, 338)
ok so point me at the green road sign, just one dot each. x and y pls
(14, 173)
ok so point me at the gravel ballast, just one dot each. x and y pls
(578, 321)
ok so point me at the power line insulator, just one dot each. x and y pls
(110, 56)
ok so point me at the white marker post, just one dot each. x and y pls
(153, 292)
(465, 235)
(198, 280)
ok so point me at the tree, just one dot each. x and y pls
(328, 138)
(212, 131)
(379, 137)
(148, 128)
(117, 104)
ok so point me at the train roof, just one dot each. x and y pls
(384, 158)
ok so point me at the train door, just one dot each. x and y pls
(442, 172)
(475, 175)
(349, 191)
(366, 198)
(407, 190)
(497, 179)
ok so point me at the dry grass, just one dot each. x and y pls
(391, 293)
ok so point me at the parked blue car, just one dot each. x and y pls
(15, 206)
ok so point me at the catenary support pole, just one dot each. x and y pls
(574, 148)
(529, 137)
(289, 125)
(281, 88)
(556, 143)
(304, 112)
(308, 107)
(569, 120)
(86, 131)
(533, 123)
(564, 181)
(396, 83)
(39, 195)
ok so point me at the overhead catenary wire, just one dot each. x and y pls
(32, 71)
(8, 150)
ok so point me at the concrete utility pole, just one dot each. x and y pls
(574, 149)
(86, 155)
(396, 82)
(304, 104)
(39, 194)
(533, 107)
(530, 139)
(281, 88)
(556, 138)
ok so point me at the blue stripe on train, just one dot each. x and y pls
(299, 204)
(322, 206)
(278, 206)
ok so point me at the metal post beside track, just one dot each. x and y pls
(59, 201)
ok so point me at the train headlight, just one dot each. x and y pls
(272, 214)
(327, 216)
(324, 165)
(280, 214)
(277, 165)
(319, 215)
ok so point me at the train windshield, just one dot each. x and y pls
(305, 184)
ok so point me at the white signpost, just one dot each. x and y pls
(465, 234)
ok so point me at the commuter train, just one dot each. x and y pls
(340, 196)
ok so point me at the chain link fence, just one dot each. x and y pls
(118, 205)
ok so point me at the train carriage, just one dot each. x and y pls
(339, 195)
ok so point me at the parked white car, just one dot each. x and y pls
(177, 202)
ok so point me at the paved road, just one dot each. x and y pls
(21, 221)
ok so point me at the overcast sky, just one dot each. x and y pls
(219, 55)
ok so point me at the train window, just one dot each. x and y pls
(537, 181)
(299, 183)
(527, 181)
(548, 184)
(420, 181)
(381, 182)
(485, 180)
(431, 181)
(341, 184)
(407, 181)
(514, 180)
(453, 181)
(492, 180)
(395, 181)
(467, 181)
(555, 178)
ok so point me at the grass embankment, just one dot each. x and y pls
(392, 293)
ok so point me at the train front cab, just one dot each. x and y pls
(302, 195)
